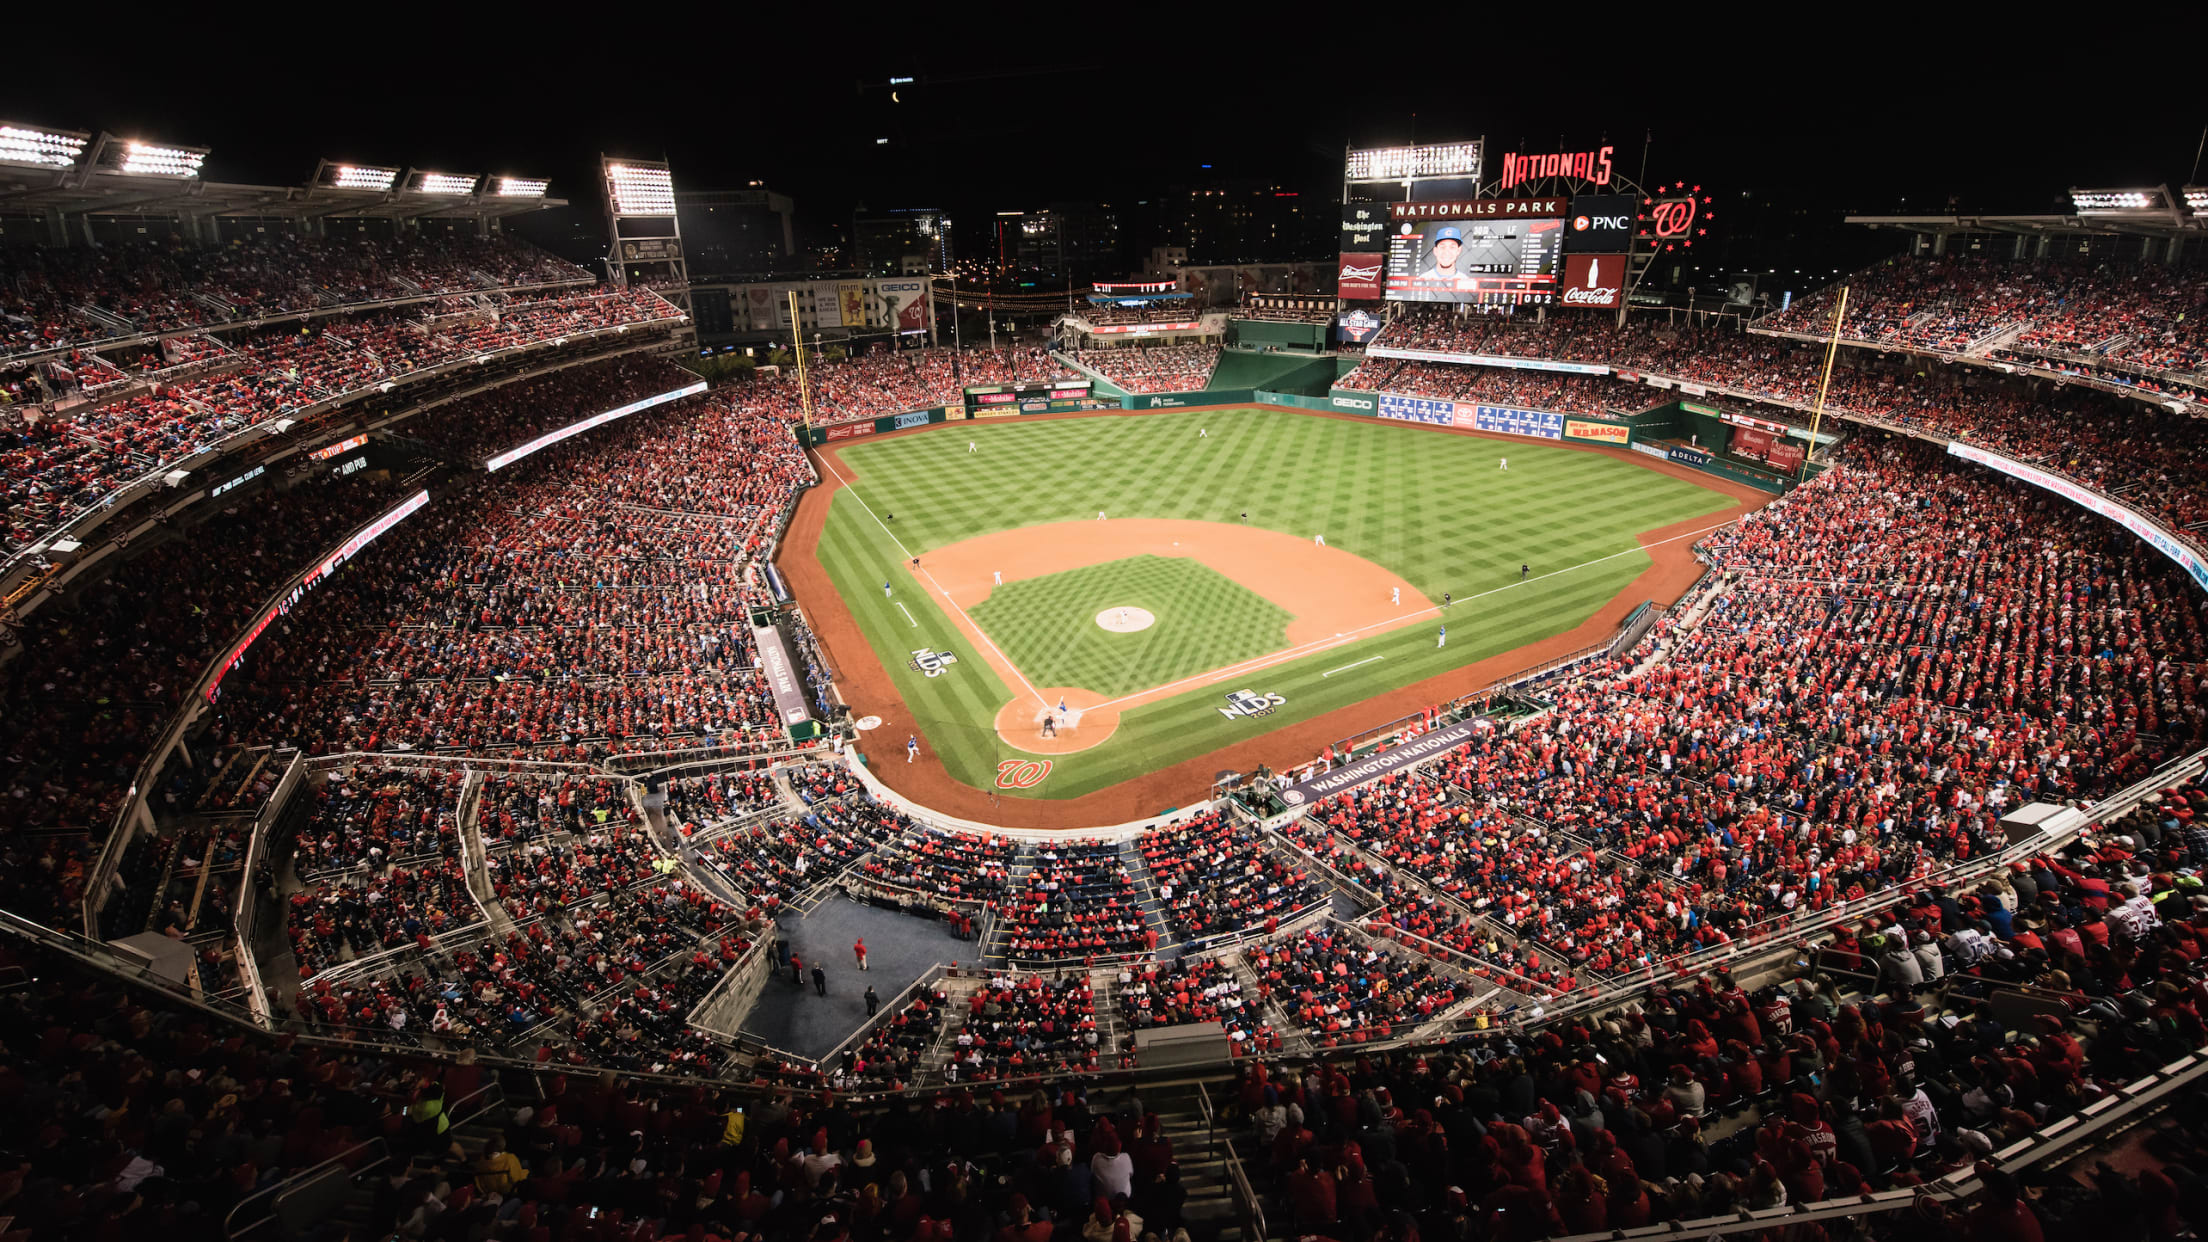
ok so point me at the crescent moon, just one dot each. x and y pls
(893, 98)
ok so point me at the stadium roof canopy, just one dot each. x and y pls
(2154, 212)
(104, 180)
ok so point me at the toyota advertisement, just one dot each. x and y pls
(1596, 280)
(1497, 262)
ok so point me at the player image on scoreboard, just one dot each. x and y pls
(1506, 262)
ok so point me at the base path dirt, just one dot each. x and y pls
(1672, 570)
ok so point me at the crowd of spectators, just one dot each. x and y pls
(1154, 368)
(897, 382)
(1189, 990)
(170, 286)
(1338, 988)
(57, 463)
(589, 601)
(479, 426)
(774, 861)
(372, 814)
(1217, 877)
(1173, 310)
(1553, 391)
(1077, 900)
(2137, 315)
(1020, 1024)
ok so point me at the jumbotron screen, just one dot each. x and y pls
(1497, 262)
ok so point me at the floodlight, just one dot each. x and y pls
(151, 159)
(370, 177)
(1453, 159)
(2116, 202)
(641, 190)
(441, 183)
(30, 146)
(519, 187)
(2196, 199)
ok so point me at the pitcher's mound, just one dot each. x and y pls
(1077, 719)
(1125, 620)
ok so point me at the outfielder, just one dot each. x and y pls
(969, 446)
(1321, 539)
(1506, 465)
(1441, 637)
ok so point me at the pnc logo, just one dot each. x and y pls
(1022, 773)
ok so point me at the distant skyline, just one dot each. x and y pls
(2000, 125)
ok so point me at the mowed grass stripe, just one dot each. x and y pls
(955, 713)
(1431, 507)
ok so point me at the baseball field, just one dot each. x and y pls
(1056, 607)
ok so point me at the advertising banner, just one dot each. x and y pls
(1749, 442)
(1490, 360)
(782, 676)
(904, 304)
(2162, 540)
(1538, 424)
(1787, 455)
(851, 431)
(853, 297)
(1365, 771)
(1600, 224)
(1359, 276)
(1353, 401)
(1364, 227)
(1688, 456)
(1357, 327)
(1144, 329)
(918, 418)
(1596, 280)
(1581, 429)
(759, 302)
(1440, 413)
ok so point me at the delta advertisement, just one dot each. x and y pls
(2162, 540)
(1581, 429)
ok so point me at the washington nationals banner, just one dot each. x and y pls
(781, 673)
(1367, 770)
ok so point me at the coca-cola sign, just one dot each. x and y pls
(1593, 280)
(1360, 276)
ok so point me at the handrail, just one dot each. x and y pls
(278, 1190)
(1239, 1179)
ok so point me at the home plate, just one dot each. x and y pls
(1125, 620)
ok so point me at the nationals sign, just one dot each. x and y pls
(1593, 280)
(1581, 165)
(1479, 209)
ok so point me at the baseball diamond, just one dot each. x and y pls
(997, 558)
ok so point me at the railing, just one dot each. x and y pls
(269, 1203)
(1253, 1211)
(884, 1013)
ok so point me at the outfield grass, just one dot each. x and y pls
(1431, 507)
(1047, 626)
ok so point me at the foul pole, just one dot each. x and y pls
(804, 386)
(1832, 347)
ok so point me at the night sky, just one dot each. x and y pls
(1034, 113)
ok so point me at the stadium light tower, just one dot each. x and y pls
(642, 226)
(132, 157)
(34, 146)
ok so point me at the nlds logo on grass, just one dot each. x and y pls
(932, 662)
(1246, 703)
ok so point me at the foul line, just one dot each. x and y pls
(984, 634)
(1346, 667)
(1321, 644)
(908, 615)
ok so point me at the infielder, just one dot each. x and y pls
(1395, 596)
(885, 590)
(912, 746)
(1523, 570)
(1099, 515)
(999, 575)
(1321, 539)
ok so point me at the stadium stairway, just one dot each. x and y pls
(1199, 1149)
(1153, 906)
(957, 993)
(356, 1213)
